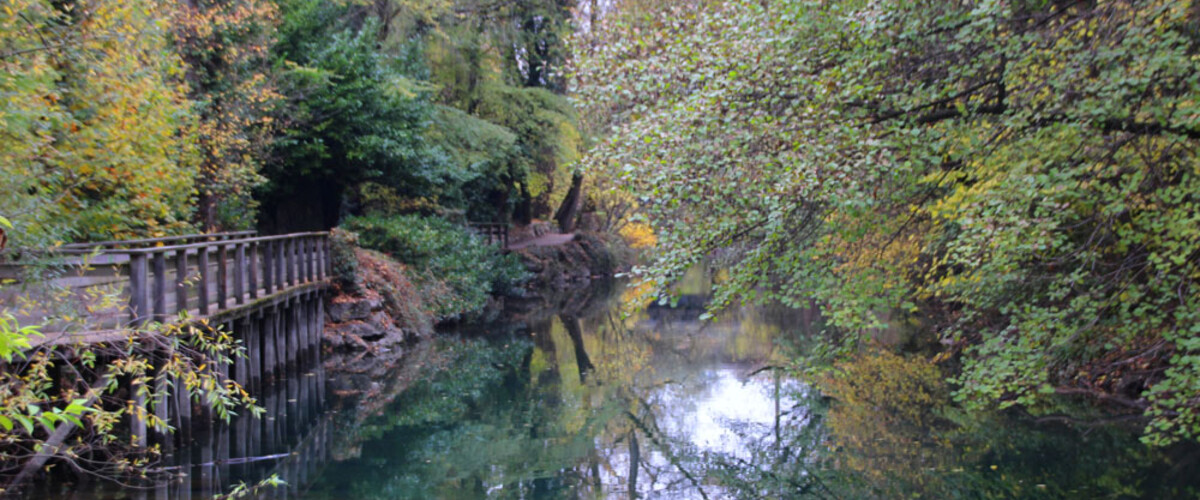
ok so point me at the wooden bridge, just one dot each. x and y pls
(492, 232)
(195, 276)
(266, 290)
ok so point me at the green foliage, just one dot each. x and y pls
(342, 244)
(545, 126)
(442, 253)
(225, 46)
(357, 114)
(96, 124)
(14, 338)
(243, 490)
(1023, 177)
(37, 401)
(485, 160)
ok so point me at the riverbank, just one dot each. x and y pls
(379, 304)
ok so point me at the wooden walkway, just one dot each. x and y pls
(545, 240)
(493, 233)
(161, 279)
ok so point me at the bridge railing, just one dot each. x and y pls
(493, 232)
(148, 242)
(207, 277)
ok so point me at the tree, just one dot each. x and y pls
(357, 114)
(225, 45)
(97, 123)
(1017, 174)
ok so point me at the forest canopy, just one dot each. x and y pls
(149, 118)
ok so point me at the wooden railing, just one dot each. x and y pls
(150, 242)
(493, 232)
(207, 277)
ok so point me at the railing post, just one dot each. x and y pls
(222, 276)
(268, 266)
(321, 256)
(138, 304)
(239, 273)
(160, 286)
(280, 264)
(309, 272)
(202, 289)
(253, 247)
(290, 252)
(181, 275)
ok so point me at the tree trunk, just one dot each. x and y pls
(568, 212)
(523, 213)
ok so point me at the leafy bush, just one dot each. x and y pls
(442, 252)
(345, 263)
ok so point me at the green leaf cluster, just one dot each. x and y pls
(442, 254)
(1022, 176)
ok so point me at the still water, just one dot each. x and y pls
(594, 396)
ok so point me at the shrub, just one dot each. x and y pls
(345, 264)
(442, 252)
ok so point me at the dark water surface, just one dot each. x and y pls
(592, 397)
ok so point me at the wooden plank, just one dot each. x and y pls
(183, 412)
(323, 255)
(149, 242)
(139, 304)
(320, 334)
(254, 353)
(282, 330)
(328, 258)
(162, 388)
(137, 424)
(312, 258)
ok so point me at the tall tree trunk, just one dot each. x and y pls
(523, 213)
(568, 212)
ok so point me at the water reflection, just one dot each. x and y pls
(588, 398)
(592, 400)
(292, 442)
(584, 402)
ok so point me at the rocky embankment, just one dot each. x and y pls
(373, 318)
(587, 257)
(376, 310)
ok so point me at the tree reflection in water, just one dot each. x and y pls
(598, 401)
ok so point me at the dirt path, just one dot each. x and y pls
(544, 240)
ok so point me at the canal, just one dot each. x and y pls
(602, 395)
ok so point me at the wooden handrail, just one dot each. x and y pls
(189, 246)
(302, 257)
(494, 232)
(144, 241)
